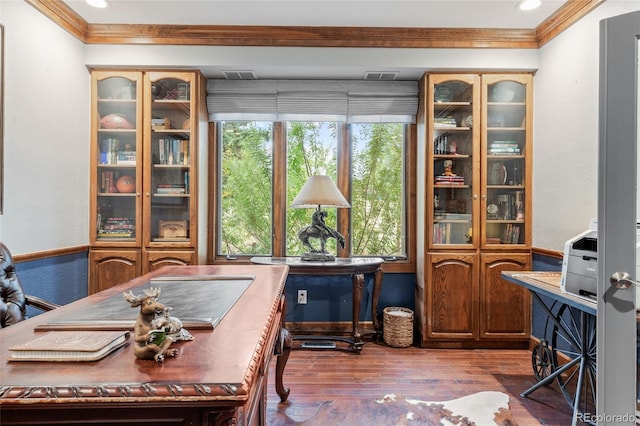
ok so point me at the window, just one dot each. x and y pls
(260, 171)
(244, 196)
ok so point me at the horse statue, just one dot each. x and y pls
(320, 230)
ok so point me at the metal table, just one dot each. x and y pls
(573, 337)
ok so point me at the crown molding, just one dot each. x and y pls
(570, 12)
(301, 36)
(62, 15)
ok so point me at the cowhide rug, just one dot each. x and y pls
(479, 409)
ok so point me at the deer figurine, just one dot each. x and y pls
(150, 341)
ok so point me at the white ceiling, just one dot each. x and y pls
(354, 13)
(267, 63)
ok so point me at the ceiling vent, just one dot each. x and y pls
(239, 75)
(380, 75)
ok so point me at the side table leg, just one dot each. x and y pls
(377, 287)
(358, 285)
(284, 349)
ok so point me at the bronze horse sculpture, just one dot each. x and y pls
(320, 230)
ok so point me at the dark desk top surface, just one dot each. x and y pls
(219, 364)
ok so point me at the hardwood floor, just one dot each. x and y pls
(426, 374)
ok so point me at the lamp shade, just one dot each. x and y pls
(319, 190)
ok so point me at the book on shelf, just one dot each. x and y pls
(117, 227)
(126, 158)
(69, 346)
(510, 234)
(444, 122)
(173, 152)
(109, 150)
(107, 182)
(504, 148)
(451, 180)
(171, 189)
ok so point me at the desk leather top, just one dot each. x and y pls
(220, 364)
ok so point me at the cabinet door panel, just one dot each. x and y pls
(112, 267)
(452, 161)
(116, 158)
(507, 116)
(505, 310)
(170, 144)
(452, 296)
(157, 259)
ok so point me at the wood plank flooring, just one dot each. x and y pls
(426, 374)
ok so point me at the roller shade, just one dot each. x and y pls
(353, 101)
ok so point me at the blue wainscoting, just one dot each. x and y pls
(63, 279)
(540, 325)
(59, 279)
(330, 297)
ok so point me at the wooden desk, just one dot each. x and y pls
(356, 267)
(218, 379)
(573, 336)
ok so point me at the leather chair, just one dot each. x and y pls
(13, 301)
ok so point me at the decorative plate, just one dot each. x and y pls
(502, 92)
(443, 93)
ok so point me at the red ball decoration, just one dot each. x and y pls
(126, 184)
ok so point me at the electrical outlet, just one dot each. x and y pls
(302, 297)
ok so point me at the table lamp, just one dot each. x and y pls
(319, 191)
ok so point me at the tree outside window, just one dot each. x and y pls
(376, 169)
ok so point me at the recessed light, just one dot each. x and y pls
(98, 3)
(529, 4)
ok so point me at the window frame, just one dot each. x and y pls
(279, 211)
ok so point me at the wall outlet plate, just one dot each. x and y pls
(302, 297)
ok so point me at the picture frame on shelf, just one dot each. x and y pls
(172, 229)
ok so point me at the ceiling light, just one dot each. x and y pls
(529, 4)
(98, 3)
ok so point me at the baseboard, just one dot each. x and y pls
(328, 328)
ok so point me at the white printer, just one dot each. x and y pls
(580, 264)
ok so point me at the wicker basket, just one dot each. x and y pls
(397, 328)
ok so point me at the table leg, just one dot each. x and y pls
(377, 287)
(358, 285)
(283, 346)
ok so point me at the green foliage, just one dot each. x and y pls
(311, 150)
(246, 188)
(377, 204)
(377, 213)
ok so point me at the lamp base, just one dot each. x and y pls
(317, 257)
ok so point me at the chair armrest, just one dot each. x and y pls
(41, 304)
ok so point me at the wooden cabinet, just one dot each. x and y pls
(452, 296)
(112, 266)
(505, 312)
(474, 199)
(147, 139)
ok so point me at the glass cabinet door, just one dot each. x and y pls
(168, 169)
(116, 148)
(506, 124)
(453, 159)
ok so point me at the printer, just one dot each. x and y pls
(580, 264)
